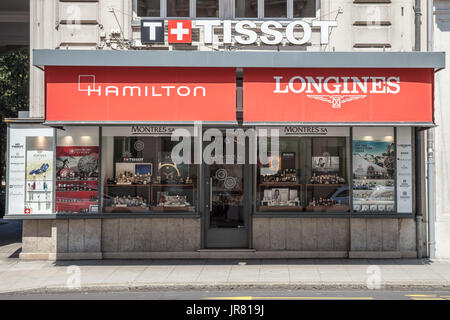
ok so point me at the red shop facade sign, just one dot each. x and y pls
(140, 94)
(338, 95)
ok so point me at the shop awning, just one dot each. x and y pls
(238, 59)
(307, 88)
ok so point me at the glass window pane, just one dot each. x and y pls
(207, 8)
(310, 174)
(327, 188)
(279, 179)
(275, 8)
(77, 164)
(246, 8)
(304, 8)
(148, 8)
(140, 176)
(373, 170)
(178, 8)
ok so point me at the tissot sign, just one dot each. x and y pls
(140, 94)
(296, 32)
(338, 95)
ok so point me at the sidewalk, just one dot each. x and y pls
(117, 275)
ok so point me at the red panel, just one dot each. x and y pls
(157, 94)
(399, 95)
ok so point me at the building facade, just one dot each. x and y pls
(220, 129)
(441, 36)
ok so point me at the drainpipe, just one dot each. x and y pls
(419, 135)
(430, 148)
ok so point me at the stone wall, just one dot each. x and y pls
(151, 235)
(181, 238)
(333, 237)
(98, 238)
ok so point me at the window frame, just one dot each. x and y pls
(351, 213)
(227, 15)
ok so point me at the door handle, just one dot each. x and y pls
(210, 194)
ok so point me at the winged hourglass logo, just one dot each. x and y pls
(336, 100)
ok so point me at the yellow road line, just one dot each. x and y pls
(420, 295)
(290, 298)
(427, 299)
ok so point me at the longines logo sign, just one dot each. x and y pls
(244, 32)
(337, 90)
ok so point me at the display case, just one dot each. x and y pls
(173, 197)
(327, 198)
(123, 198)
(280, 196)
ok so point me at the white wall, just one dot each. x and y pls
(442, 132)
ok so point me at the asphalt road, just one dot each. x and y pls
(238, 295)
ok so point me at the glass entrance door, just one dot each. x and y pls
(227, 205)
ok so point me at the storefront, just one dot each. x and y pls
(152, 154)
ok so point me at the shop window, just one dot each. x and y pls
(373, 170)
(310, 174)
(140, 176)
(246, 8)
(327, 190)
(148, 8)
(178, 8)
(275, 8)
(77, 170)
(304, 8)
(207, 8)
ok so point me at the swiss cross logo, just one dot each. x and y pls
(179, 31)
(27, 211)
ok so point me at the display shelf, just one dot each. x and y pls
(76, 180)
(127, 185)
(279, 184)
(190, 185)
(77, 191)
(333, 208)
(281, 208)
(110, 209)
(227, 190)
(173, 209)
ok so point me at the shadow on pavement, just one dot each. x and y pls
(10, 238)
(243, 262)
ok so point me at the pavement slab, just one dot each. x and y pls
(19, 275)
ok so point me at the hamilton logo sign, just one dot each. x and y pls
(337, 90)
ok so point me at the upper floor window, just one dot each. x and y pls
(304, 8)
(207, 8)
(148, 8)
(275, 8)
(210, 8)
(246, 8)
(177, 8)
